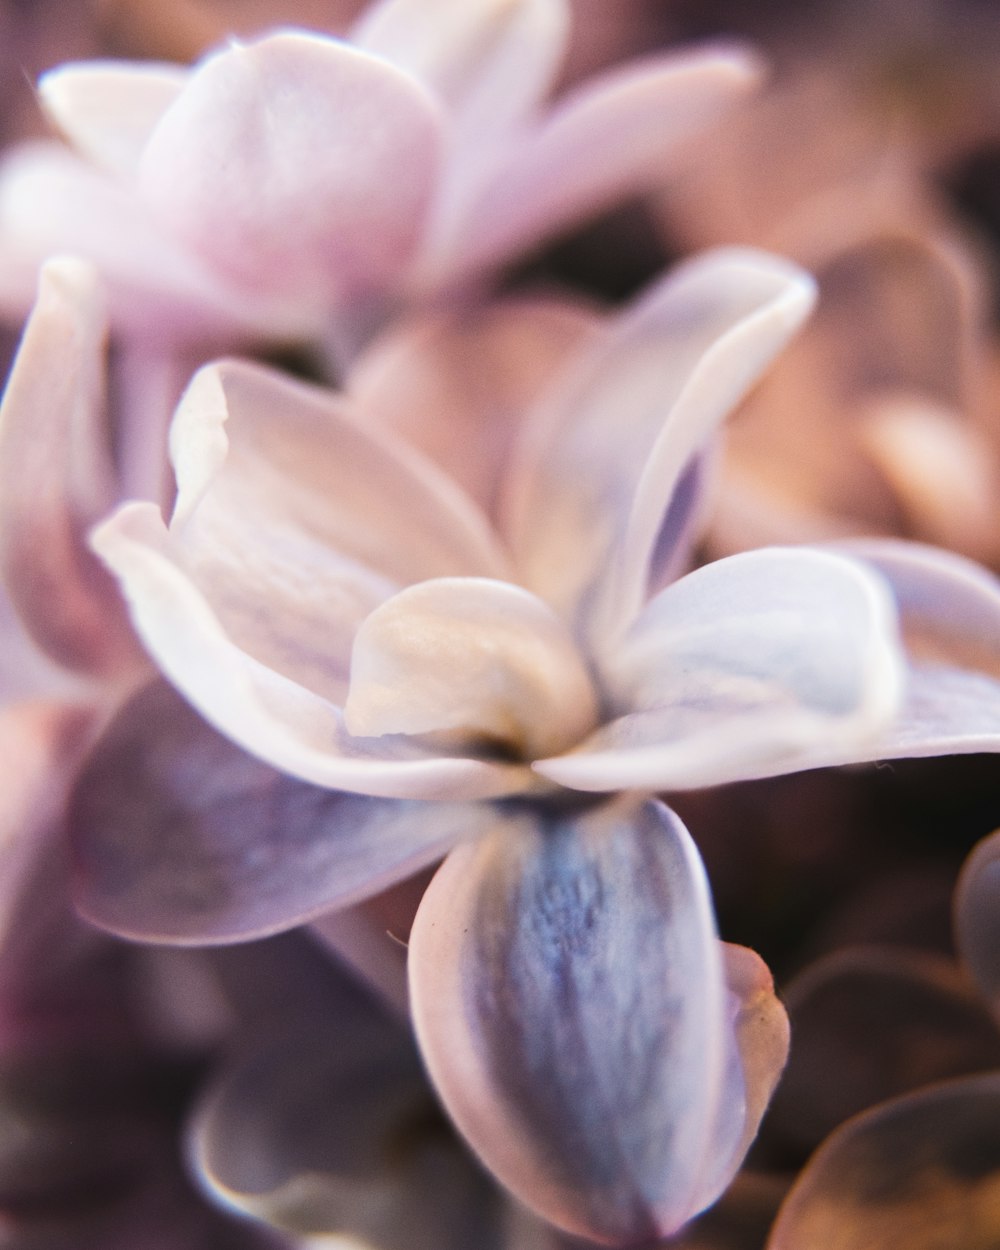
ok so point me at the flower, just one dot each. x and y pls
(414, 156)
(334, 604)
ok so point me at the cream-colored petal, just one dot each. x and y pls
(477, 662)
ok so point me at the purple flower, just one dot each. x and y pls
(294, 185)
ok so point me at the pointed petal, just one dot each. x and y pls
(745, 668)
(567, 995)
(921, 1171)
(607, 447)
(490, 61)
(295, 520)
(296, 128)
(108, 109)
(457, 387)
(181, 837)
(617, 134)
(477, 661)
(977, 917)
(285, 724)
(56, 479)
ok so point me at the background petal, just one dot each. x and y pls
(871, 1023)
(108, 109)
(296, 128)
(56, 479)
(616, 134)
(977, 918)
(922, 1171)
(459, 386)
(567, 993)
(490, 61)
(371, 1158)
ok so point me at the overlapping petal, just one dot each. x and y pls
(568, 997)
(56, 479)
(109, 109)
(744, 668)
(284, 723)
(181, 837)
(296, 128)
(482, 663)
(608, 446)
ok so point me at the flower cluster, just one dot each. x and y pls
(378, 616)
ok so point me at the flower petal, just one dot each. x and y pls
(977, 917)
(950, 614)
(854, 1015)
(370, 1159)
(56, 479)
(745, 668)
(760, 1038)
(296, 128)
(285, 724)
(51, 202)
(480, 662)
(617, 134)
(181, 837)
(490, 61)
(921, 1171)
(108, 109)
(567, 994)
(606, 448)
(457, 387)
(294, 520)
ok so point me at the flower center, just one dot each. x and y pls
(476, 664)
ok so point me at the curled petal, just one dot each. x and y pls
(295, 519)
(568, 998)
(608, 445)
(760, 1038)
(108, 109)
(56, 479)
(490, 61)
(287, 725)
(181, 837)
(613, 136)
(977, 917)
(475, 660)
(745, 668)
(921, 1171)
(296, 128)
